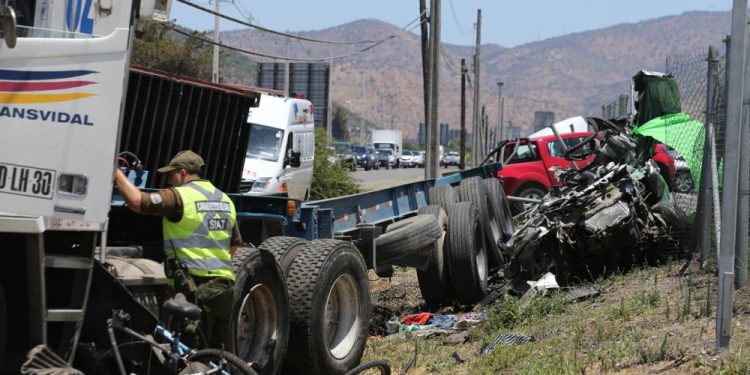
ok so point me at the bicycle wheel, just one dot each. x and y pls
(383, 366)
(230, 362)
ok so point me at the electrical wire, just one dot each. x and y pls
(243, 11)
(451, 65)
(204, 9)
(260, 54)
(455, 19)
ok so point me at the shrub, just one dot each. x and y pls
(329, 179)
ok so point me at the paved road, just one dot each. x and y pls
(384, 178)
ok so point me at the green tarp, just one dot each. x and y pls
(682, 134)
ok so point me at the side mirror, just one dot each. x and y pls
(296, 159)
(8, 26)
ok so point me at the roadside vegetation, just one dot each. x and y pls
(653, 320)
(329, 179)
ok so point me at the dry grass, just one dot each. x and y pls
(651, 320)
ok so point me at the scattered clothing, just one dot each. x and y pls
(393, 325)
(442, 321)
(516, 339)
(469, 319)
(413, 327)
(421, 318)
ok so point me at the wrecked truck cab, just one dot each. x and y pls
(605, 218)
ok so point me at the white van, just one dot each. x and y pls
(281, 147)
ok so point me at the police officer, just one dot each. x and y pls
(200, 236)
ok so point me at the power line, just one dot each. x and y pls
(204, 9)
(448, 62)
(260, 54)
(455, 19)
(242, 10)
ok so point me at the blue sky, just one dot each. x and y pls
(508, 23)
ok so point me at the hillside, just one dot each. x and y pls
(570, 75)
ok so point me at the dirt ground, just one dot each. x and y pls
(651, 320)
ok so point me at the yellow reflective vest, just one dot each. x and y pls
(200, 241)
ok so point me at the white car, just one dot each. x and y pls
(419, 159)
(407, 159)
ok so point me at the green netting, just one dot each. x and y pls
(682, 134)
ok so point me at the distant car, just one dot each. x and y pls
(386, 158)
(407, 159)
(451, 158)
(419, 159)
(364, 158)
(345, 155)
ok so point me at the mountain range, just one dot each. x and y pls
(574, 74)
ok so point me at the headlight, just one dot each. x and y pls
(261, 185)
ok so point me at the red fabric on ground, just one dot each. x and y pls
(420, 318)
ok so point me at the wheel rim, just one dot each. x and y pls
(342, 316)
(481, 253)
(256, 325)
(683, 184)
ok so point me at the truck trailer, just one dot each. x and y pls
(71, 105)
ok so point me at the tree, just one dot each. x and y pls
(329, 180)
(156, 48)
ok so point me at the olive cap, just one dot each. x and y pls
(187, 159)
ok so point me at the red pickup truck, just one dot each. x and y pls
(527, 173)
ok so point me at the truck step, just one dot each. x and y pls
(64, 315)
(67, 262)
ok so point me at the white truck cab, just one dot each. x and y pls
(281, 147)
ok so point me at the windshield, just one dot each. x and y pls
(342, 147)
(264, 142)
(384, 145)
(359, 149)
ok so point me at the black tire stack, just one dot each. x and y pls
(478, 224)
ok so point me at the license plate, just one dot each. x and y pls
(28, 181)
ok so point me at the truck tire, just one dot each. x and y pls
(433, 282)
(284, 249)
(473, 190)
(3, 325)
(500, 202)
(261, 310)
(442, 195)
(330, 302)
(407, 237)
(467, 255)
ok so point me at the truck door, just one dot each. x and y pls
(60, 99)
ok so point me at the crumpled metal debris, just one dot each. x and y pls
(606, 217)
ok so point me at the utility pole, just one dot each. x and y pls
(362, 132)
(329, 112)
(426, 89)
(477, 120)
(485, 139)
(431, 171)
(215, 69)
(732, 146)
(500, 109)
(462, 142)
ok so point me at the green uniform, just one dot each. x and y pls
(200, 243)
